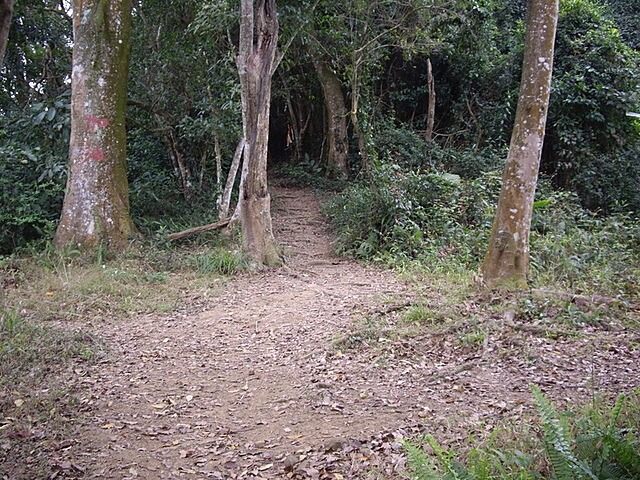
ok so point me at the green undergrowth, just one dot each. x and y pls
(598, 441)
(453, 307)
(305, 174)
(442, 223)
(30, 350)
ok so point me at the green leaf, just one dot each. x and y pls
(51, 113)
(38, 119)
(542, 203)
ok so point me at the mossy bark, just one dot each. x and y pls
(506, 263)
(337, 137)
(256, 65)
(96, 212)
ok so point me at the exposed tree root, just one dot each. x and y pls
(596, 299)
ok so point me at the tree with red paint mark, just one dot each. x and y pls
(96, 204)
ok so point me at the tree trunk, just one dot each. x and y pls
(506, 263)
(216, 149)
(177, 159)
(337, 136)
(256, 65)
(295, 127)
(96, 204)
(431, 108)
(6, 12)
(225, 199)
(367, 168)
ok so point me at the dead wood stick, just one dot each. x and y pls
(597, 299)
(453, 371)
(387, 309)
(203, 228)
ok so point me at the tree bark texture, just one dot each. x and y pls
(225, 199)
(6, 13)
(506, 263)
(295, 127)
(431, 107)
(256, 65)
(367, 168)
(337, 136)
(96, 204)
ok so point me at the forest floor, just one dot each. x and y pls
(316, 370)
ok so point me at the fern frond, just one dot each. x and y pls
(615, 414)
(419, 462)
(457, 471)
(625, 452)
(453, 470)
(557, 443)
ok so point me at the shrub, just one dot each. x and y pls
(595, 84)
(469, 163)
(582, 252)
(30, 202)
(402, 146)
(409, 215)
(610, 183)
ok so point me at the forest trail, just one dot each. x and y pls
(254, 379)
(281, 376)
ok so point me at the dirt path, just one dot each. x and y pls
(260, 385)
(252, 379)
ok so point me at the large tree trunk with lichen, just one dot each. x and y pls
(337, 136)
(95, 213)
(256, 65)
(6, 12)
(506, 263)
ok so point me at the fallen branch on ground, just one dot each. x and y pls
(596, 299)
(203, 228)
(453, 371)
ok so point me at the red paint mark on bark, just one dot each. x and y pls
(94, 123)
(96, 154)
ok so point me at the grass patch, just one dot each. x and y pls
(572, 313)
(424, 315)
(57, 287)
(29, 350)
(38, 403)
(219, 261)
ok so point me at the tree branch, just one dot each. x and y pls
(194, 230)
(150, 108)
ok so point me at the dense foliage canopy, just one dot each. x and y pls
(184, 114)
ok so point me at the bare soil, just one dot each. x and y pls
(295, 372)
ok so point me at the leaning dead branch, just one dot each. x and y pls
(201, 229)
